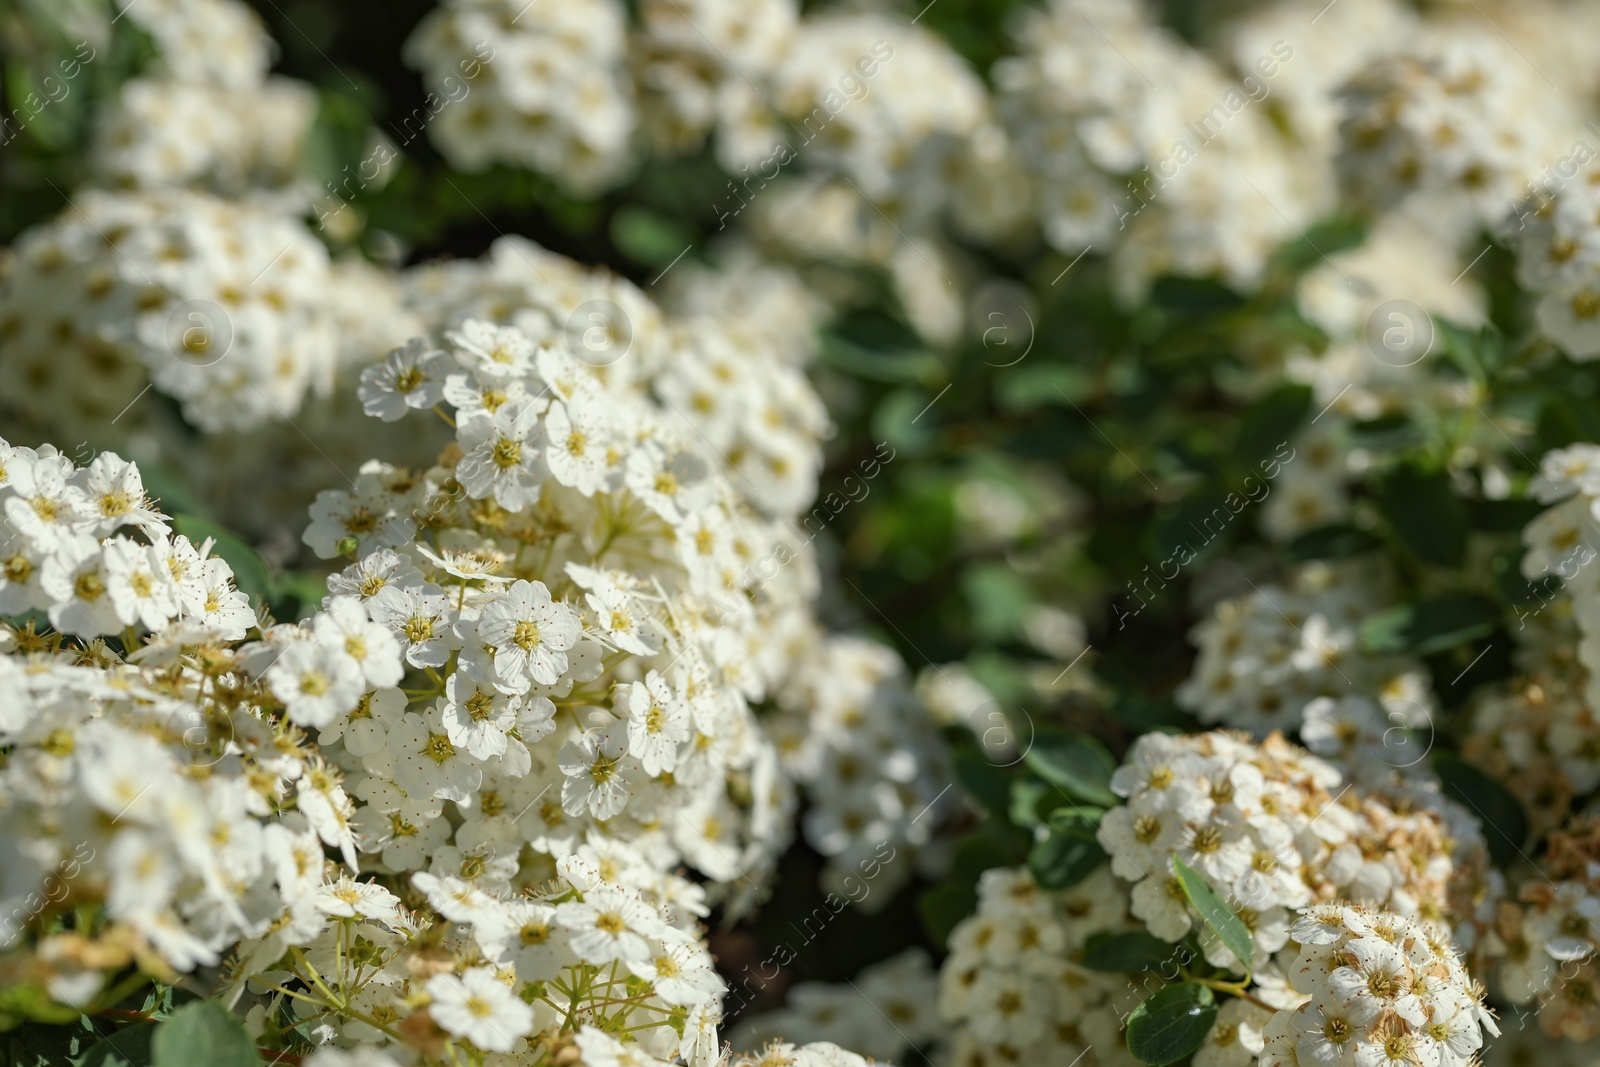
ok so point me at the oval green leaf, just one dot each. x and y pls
(1215, 913)
(202, 1032)
(1171, 1024)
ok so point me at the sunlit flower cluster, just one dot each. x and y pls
(1271, 828)
(1382, 989)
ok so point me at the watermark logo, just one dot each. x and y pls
(1399, 333)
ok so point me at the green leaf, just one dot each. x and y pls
(1426, 515)
(1430, 626)
(29, 1002)
(203, 1032)
(1270, 423)
(130, 1046)
(944, 906)
(652, 239)
(1505, 824)
(1129, 952)
(1075, 763)
(1069, 853)
(1335, 541)
(1200, 529)
(984, 782)
(1179, 295)
(249, 569)
(1504, 516)
(1310, 249)
(1171, 1024)
(1215, 913)
(998, 597)
(1387, 433)
(1147, 713)
(1061, 861)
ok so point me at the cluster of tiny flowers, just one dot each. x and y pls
(219, 305)
(868, 755)
(690, 62)
(545, 87)
(1383, 990)
(594, 1047)
(1014, 989)
(207, 113)
(1271, 828)
(1084, 108)
(1450, 118)
(1549, 938)
(153, 788)
(903, 989)
(63, 552)
(503, 959)
(1542, 740)
(574, 577)
(1264, 656)
(1563, 542)
(1554, 234)
(1387, 761)
(730, 384)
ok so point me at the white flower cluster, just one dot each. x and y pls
(1542, 740)
(223, 306)
(903, 989)
(716, 374)
(577, 583)
(1451, 119)
(1564, 542)
(1271, 828)
(1014, 989)
(605, 929)
(868, 755)
(1097, 92)
(1555, 235)
(155, 780)
(544, 86)
(1384, 990)
(1550, 945)
(1386, 759)
(205, 112)
(1265, 655)
(62, 552)
(558, 760)
(690, 63)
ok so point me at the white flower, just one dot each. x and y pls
(427, 764)
(478, 717)
(610, 924)
(343, 625)
(530, 635)
(576, 444)
(493, 351)
(316, 683)
(1235, 1039)
(502, 456)
(421, 617)
(657, 723)
(595, 764)
(79, 589)
(600, 1049)
(140, 587)
(409, 378)
(479, 1007)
